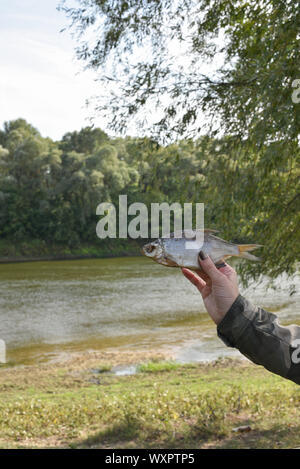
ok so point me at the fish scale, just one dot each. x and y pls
(173, 250)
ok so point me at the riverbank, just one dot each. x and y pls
(39, 250)
(82, 403)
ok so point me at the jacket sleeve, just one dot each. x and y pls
(257, 334)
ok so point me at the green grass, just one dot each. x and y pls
(153, 367)
(165, 405)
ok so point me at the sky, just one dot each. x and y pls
(40, 78)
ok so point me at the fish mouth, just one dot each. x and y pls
(148, 249)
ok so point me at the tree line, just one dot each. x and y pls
(49, 190)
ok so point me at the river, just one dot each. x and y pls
(48, 309)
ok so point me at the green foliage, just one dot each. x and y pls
(151, 57)
(153, 51)
(49, 190)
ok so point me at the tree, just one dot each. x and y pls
(84, 141)
(246, 98)
(25, 168)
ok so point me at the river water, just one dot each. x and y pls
(48, 309)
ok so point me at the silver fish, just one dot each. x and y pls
(172, 251)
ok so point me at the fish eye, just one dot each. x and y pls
(150, 248)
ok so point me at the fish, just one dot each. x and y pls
(172, 251)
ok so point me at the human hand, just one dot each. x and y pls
(218, 287)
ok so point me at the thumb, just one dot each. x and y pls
(208, 266)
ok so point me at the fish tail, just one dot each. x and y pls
(243, 251)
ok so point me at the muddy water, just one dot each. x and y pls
(52, 308)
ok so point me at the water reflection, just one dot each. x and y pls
(49, 308)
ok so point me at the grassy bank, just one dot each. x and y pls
(83, 404)
(18, 251)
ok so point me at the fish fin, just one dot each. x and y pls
(244, 254)
(248, 247)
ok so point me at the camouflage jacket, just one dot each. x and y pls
(257, 334)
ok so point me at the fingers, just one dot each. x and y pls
(203, 275)
(208, 266)
(228, 271)
(194, 279)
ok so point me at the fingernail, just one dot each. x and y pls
(219, 266)
(202, 255)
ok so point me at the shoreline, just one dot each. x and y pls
(66, 257)
(39, 250)
(85, 359)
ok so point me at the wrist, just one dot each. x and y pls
(222, 312)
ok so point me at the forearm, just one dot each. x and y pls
(257, 335)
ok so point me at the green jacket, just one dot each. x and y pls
(257, 335)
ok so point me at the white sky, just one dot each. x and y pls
(39, 79)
